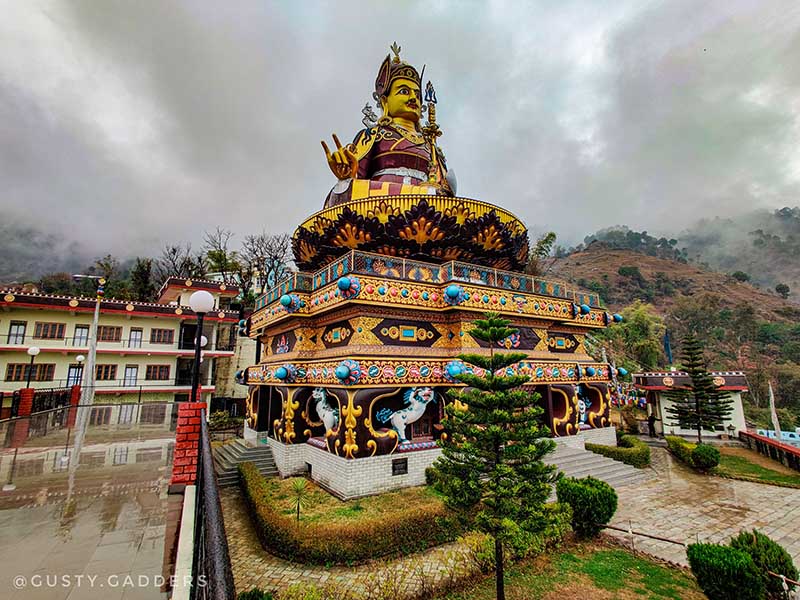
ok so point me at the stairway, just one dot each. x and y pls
(228, 457)
(577, 462)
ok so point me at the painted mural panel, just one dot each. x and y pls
(416, 333)
(564, 410)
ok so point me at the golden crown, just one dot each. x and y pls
(394, 68)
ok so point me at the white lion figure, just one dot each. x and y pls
(327, 414)
(416, 400)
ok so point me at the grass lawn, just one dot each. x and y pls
(323, 506)
(588, 570)
(743, 462)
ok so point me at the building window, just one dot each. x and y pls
(49, 331)
(400, 466)
(131, 374)
(81, 335)
(100, 415)
(135, 340)
(153, 414)
(105, 372)
(16, 332)
(120, 455)
(109, 333)
(74, 374)
(162, 336)
(19, 372)
(157, 372)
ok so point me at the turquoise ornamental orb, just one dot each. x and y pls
(343, 284)
(282, 373)
(286, 300)
(590, 371)
(617, 318)
(342, 372)
(585, 309)
(452, 291)
(622, 371)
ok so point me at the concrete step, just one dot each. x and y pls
(227, 459)
(574, 462)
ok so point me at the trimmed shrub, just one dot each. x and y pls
(680, 448)
(630, 450)
(702, 457)
(725, 573)
(705, 457)
(768, 556)
(343, 543)
(593, 503)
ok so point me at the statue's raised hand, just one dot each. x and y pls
(342, 161)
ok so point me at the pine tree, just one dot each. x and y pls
(701, 405)
(492, 454)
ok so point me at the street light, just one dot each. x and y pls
(80, 358)
(33, 352)
(201, 302)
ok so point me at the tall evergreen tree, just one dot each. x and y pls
(492, 454)
(701, 405)
(143, 288)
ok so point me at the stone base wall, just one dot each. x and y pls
(352, 478)
(367, 476)
(290, 459)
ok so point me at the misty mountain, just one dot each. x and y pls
(28, 252)
(763, 244)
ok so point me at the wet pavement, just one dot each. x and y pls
(684, 506)
(90, 528)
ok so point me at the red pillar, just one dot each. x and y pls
(187, 444)
(22, 425)
(74, 400)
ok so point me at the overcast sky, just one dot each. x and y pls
(127, 124)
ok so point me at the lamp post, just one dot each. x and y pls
(87, 392)
(201, 302)
(33, 352)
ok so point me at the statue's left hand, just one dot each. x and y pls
(342, 162)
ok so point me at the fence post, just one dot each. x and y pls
(23, 423)
(187, 444)
(74, 401)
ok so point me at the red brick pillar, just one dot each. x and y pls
(74, 400)
(187, 444)
(23, 424)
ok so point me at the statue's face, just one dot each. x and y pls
(404, 100)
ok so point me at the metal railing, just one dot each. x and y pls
(212, 576)
(366, 263)
(224, 343)
(50, 398)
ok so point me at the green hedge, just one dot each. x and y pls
(702, 457)
(630, 450)
(768, 555)
(593, 503)
(725, 573)
(403, 532)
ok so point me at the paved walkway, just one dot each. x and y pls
(684, 506)
(403, 577)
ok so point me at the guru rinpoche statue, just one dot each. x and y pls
(396, 155)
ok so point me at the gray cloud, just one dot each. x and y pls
(127, 124)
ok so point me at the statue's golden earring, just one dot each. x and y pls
(385, 118)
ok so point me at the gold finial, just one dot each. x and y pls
(396, 49)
